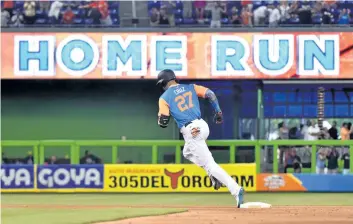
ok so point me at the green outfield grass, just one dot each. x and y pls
(48, 215)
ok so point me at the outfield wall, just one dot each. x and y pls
(161, 178)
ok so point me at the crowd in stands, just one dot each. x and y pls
(327, 157)
(175, 13)
(87, 158)
(52, 13)
(250, 13)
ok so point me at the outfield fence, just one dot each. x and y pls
(38, 148)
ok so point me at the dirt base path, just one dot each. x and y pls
(226, 214)
(275, 215)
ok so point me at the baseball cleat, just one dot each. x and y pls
(240, 197)
(216, 183)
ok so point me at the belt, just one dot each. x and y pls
(187, 123)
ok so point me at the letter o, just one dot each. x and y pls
(185, 181)
(207, 181)
(58, 180)
(90, 55)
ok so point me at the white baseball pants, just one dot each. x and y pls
(196, 150)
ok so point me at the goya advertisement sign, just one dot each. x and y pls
(53, 178)
(304, 55)
(70, 176)
(172, 178)
(17, 177)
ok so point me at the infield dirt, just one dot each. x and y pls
(231, 215)
(226, 214)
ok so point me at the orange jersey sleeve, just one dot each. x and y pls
(200, 91)
(344, 134)
(163, 107)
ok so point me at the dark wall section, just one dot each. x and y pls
(81, 110)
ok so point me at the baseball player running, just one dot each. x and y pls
(181, 102)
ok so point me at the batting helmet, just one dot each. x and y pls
(164, 77)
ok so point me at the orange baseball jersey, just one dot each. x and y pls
(182, 103)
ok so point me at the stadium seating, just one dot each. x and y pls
(80, 14)
(293, 21)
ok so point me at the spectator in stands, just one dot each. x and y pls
(105, 16)
(29, 158)
(154, 18)
(216, 15)
(333, 131)
(163, 19)
(345, 158)
(89, 158)
(53, 160)
(327, 16)
(54, 11)
(300, 130)
(305, 13)
(283, 131)
(284, 10)
(320, 161)
(199, 9)
(345, 131)
(294, 133)
(246, 16)
(187, 9)
(68, 16)
(169, 7)
(292, 161)
(293, 9)
(5, 18)
(234, 17)
(317, 9)
(332, 161)
(29, 9)
(44, 5)
(304, 131)
(344, 17)
(313, 131)
(8, 6)
(326, 126)
(4, 159)
(93, 12)
(17, 19)
(274, 16)
(283, 134)
(350, 127)
(247, 3)
(260, 15)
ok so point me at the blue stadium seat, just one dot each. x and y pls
(179, 21)
(179, 5)
(41, 21)
(19, 5)
(116, 21)
(293, 21)
(317, 19)
(41, 14)
(225, 21)
(88, 21)
(154, 4)
(78, 21)
(189, 21)
(113, 11)
(178, 13)
(114, 5)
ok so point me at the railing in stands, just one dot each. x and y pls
(38, 148)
